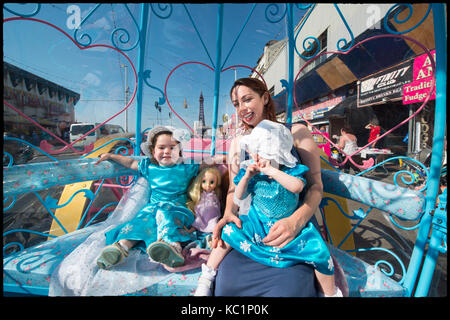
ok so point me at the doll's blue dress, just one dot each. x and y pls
(272, 202)
(166, 214)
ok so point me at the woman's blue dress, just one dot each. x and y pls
(166, 214)
(270, 203)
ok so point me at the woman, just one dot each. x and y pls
(347, 142)
(237, 274)
(375, 131)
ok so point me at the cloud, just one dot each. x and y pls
(103, 24)
(91, 80)
(262, 32)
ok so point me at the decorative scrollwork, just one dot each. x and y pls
(389, 272)
(273, 10)
(342, 44)
(312, 48)
(146, 76)
(164, 8)
(124, 37)
(85, 35)
(20, 141)
(23, 15)
(395, 15)
(121, 34)
(5, 200)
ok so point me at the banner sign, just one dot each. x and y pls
(386, 84)
(417, 90)
(316, 111)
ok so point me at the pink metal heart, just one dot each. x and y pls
(47, 147)
(366, 165)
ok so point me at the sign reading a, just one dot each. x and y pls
(418, 90)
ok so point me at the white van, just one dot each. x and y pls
(79, 129)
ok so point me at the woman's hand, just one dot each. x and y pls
(282, 232)
(103, 157)
(227, 218)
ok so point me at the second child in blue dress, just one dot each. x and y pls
(160, 227)
(274, 180)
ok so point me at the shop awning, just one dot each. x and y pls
(342, 69)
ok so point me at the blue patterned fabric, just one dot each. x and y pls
(166, 214)
(271, 202)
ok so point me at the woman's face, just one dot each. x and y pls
(209, 182)
(167, 150)
(249, 105)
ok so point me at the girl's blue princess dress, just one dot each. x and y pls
(166, 214)
(272, 202)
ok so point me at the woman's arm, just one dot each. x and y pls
(284, 230)
(341, 143)
(125, 161)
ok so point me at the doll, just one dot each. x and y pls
(205, 193)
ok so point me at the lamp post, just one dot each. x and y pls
(126, 96)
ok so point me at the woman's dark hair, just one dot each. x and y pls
(260, 88)
(347, 129)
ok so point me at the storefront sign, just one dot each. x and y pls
(316, 111)
(417, 90)
(385, 85)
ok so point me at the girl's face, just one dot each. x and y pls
(209, 182)
(249, 105)
(167, 150)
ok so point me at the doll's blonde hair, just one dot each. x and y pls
(195, 189)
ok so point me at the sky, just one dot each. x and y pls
(98, 73)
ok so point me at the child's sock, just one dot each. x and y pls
(337, 293)
(205, 281)
(124, 246)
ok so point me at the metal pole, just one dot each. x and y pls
(126, 96)
(217, 75)
(290, 89)
(438, 146)
(140, 63)
(410, 132)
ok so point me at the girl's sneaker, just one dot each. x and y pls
(111, 256)
(205, 282)
(165, 253)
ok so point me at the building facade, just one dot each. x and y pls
(327, 86)
(46, 102)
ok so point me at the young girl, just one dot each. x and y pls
(205, 194)
(275, 194)
(159, 228)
